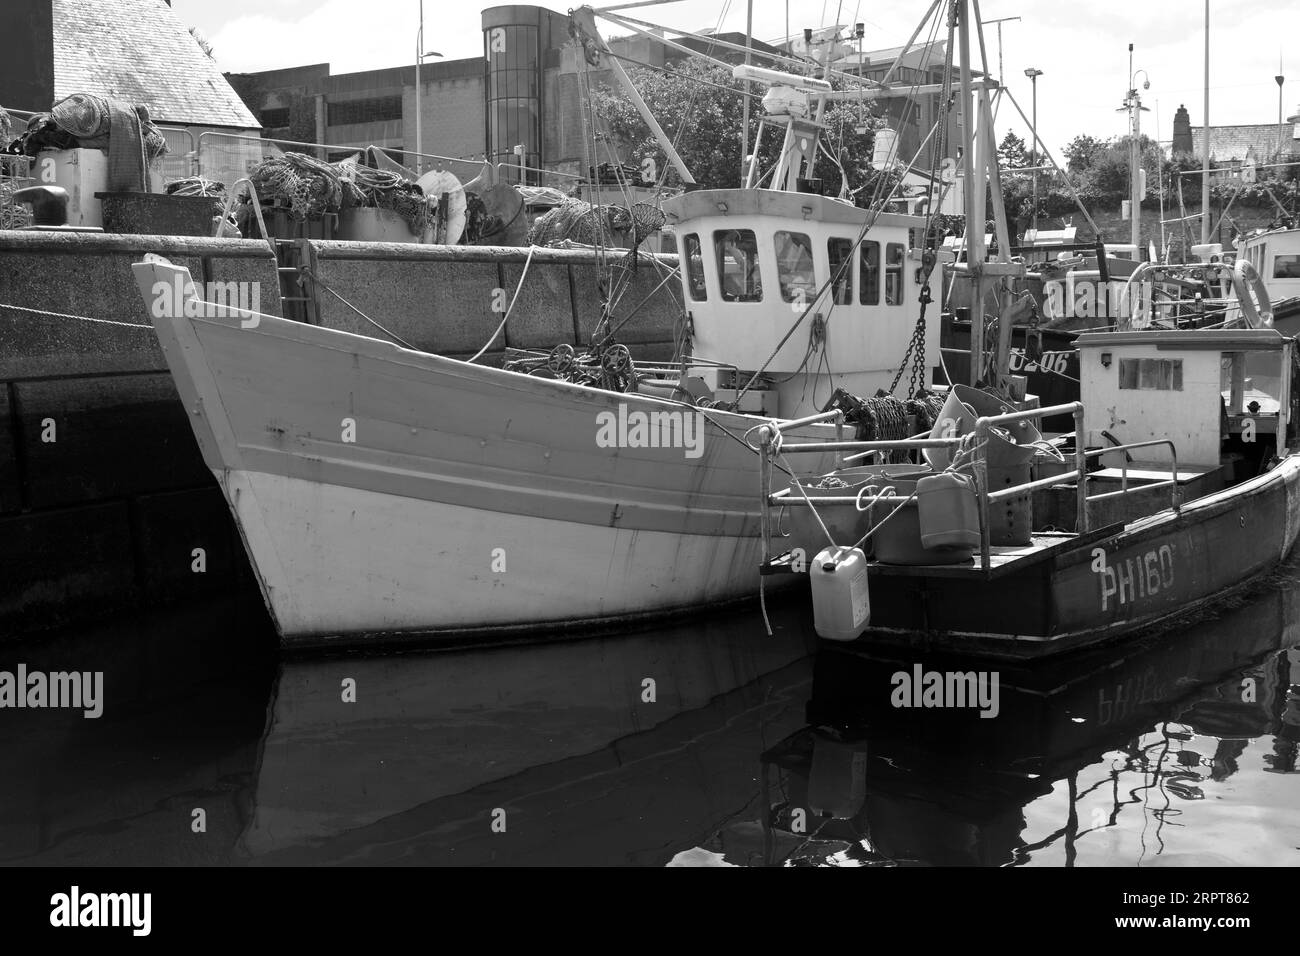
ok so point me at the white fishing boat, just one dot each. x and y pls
(1275, 256)
(1179, 483)
(386, 494)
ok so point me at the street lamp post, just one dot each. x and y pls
(1281, 141)
(420, 56)
(1033, 75)
(1133, 104)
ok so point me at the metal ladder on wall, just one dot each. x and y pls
(291, 255)
(296, 301)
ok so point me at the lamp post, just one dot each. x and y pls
(420, 56)
(1033, 75)
(1281, 141)
(1133, 104)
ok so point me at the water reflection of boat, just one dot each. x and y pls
(435, 742)
(1071, 750)
(184, 708)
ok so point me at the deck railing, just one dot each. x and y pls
(770, 444)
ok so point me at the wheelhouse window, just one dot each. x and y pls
(869, 274)
(838, 251)
(894, 273)
(1286, 267)
(738, 272)
(1165, 375)
(694, 260)
(794, 266)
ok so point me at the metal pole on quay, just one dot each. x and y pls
(420, 56)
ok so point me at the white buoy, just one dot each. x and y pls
(885, 148)
(841, 601)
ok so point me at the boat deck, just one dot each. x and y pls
(1002, 558)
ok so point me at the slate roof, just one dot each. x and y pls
(140, 51)
(1258, 142)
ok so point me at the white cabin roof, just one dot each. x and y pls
(711, 203)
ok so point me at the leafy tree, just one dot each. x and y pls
(1013, 154)
(700, 108)
(1083, 151)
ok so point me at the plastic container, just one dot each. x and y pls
(948, 512)
(960, 411)
(899, 539)
(841, 597)
(157, 214)
(82, 172)
(845, 523)
(365, 224)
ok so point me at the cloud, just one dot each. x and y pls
(1082, 49)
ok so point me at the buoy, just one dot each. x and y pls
(948, 511)
(884, 150)
(841, 605)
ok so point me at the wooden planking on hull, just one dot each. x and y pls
(382, 491)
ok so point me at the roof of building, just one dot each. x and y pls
(1258, 141)
(140, 51)
(919, 57)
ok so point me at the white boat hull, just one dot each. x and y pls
(336, 561)
(385, 494)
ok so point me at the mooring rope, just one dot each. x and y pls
(510, 308)
(82, 318)
(306, 270)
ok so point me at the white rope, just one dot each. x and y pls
(82, 318)
(523, 275)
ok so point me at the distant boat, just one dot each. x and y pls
(1275, 254)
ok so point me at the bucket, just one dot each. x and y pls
(899, 539)
(1011, 444)
(845, 523)
(948, 511)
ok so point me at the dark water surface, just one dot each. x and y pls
(698, 743)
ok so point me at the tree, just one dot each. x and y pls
(1082, 152)
(1013, 154)
(700, 108)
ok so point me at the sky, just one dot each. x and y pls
(1081, 47)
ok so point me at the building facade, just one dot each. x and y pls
(1246, 143)
(524, 101)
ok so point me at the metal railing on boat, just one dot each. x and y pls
(1079, 473)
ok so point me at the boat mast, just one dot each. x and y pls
(584, 18)
(749, 88)
(973, 196)
(1205, 138)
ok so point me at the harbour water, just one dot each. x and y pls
(701, 742)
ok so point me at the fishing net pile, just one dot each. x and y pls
(87, 121)
(13, 214)
(14, 175)
(196, 186)
(311, 189)
(884, 417)
(381, 189)
(605, 225)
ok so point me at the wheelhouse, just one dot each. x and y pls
(754, 261)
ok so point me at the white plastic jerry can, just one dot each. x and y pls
(841, 601)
